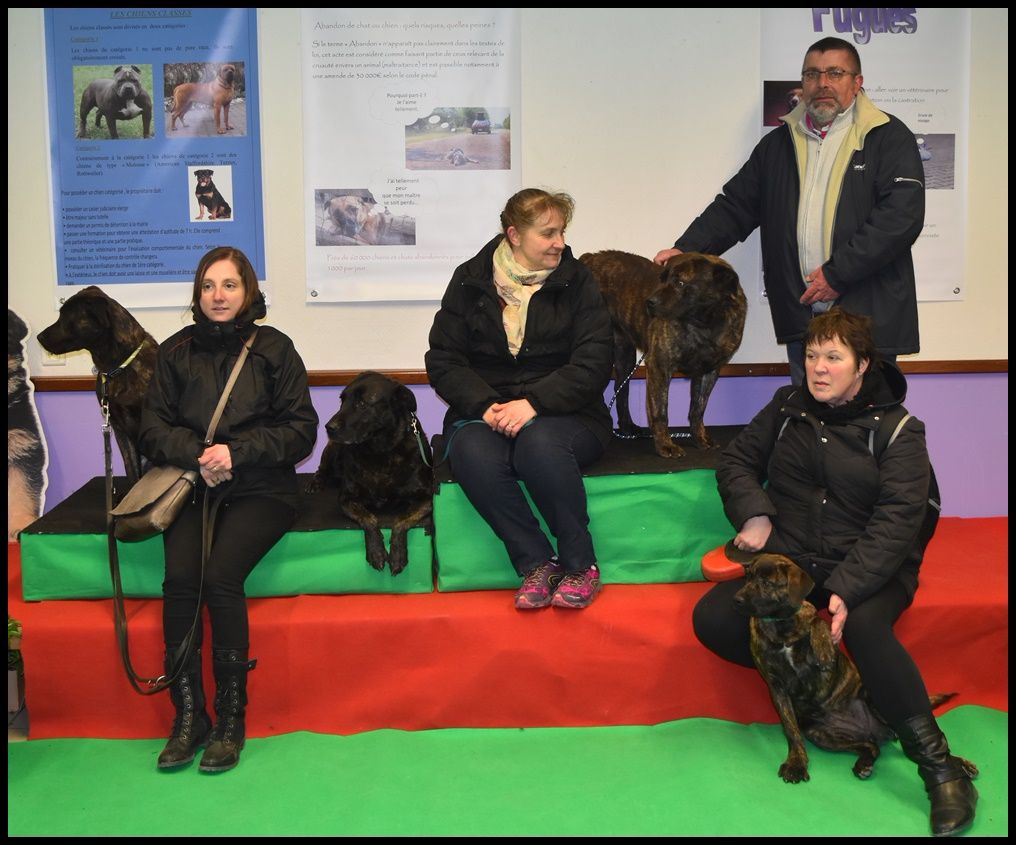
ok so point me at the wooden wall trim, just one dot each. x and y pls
(340, 378)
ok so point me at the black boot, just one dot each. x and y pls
(227, 737)
(192, 724)
(946, 778)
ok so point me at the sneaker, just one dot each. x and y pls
(538, 587)
(578, 589)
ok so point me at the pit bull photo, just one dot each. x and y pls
(122, 352)
(26, 449)
(121, 98)
(208, 197)
(814, 686)
(687, 317)
(217, 94)
(376, 456)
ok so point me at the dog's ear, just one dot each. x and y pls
(800, 585)
(406, 399)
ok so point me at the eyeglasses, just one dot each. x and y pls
(834, 74)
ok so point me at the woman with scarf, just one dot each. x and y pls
(267, 427)
(802, 480)
(522, 347)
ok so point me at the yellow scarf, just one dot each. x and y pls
(516, 286)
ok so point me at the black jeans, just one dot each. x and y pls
(245, 530)
(547, 455)
(887, 670)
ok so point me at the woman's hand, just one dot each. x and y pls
(754, 534)
(838, 609)
(216, 458)
(507, 418)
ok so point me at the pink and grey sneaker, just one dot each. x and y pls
(578, 589)
(538, 587)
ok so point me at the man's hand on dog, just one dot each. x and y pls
(665, 254)
(508, 418)
(754, 534)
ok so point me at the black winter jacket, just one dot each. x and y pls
(848, 520)
(566, 357)
(879, 215)
(269, 422)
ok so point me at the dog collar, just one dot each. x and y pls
(125, 364)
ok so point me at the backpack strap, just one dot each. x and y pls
(889, 428)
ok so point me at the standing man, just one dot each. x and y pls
(838, 192)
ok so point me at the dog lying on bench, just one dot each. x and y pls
(381, 462)
(815, 687)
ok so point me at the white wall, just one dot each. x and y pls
(640, 114)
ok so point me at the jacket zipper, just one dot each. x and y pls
(908, 179)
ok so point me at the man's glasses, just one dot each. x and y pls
(834, 74)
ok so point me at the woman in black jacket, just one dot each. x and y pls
(522, 347)
(803, 480)
(268, 425)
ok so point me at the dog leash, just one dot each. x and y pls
(673, 435)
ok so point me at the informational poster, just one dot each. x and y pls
(411, 145)
(915, 64)
(155, 139)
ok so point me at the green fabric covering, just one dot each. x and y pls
(76, 566)
(647, 528)
(696, 777)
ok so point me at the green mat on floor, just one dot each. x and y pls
(698, 777)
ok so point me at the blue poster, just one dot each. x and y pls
(155, 144)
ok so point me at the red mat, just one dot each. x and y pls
(343, 664)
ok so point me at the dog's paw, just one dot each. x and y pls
(794, 772)
(398, 559)
(377, 557)
(668, 449)
(863, 769)
(315, 485)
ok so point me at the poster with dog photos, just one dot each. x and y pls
(155, 153)
(916, 66)
(411, 145)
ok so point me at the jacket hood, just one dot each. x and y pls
(232, 333)
(883, 386)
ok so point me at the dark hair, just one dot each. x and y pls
(827, 44)
(853, 329)
(248, 277)
(527, 206)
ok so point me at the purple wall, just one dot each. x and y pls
(966, 417)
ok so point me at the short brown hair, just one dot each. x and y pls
(830, 43)
(527, 206)
(248, 277)
(853, 329)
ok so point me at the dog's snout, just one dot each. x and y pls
(652, 306)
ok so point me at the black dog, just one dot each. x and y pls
(26, 454)
(121, 98)
(814, 686)
(381, 462)
(687, 317)
(91, 320)
(209, 197)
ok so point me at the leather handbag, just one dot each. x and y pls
(151, 505)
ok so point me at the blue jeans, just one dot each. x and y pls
(547, 455)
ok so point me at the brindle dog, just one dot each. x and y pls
(380, 462)
(93, 321)
(687, 317)
(814, 686)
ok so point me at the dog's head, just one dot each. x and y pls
(794, 96)
(17, 331)
(127, 82)
(204, 177)
(695, 288)
(227, 73)
(88, 320)
(349, 213)
(374, 413)
(774, 588)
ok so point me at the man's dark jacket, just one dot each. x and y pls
(879, 212)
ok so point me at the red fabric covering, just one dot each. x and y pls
(342, 664)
